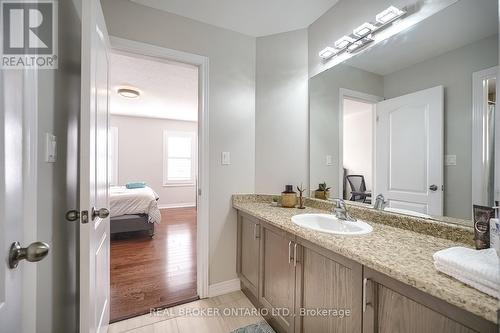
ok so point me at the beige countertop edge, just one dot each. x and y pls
(431, 281)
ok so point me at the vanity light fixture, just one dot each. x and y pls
(128, 92)
(364, 29)
(389, 15)
(343, 42)
(362, 35)
(327, 53)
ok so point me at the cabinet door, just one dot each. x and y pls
(277, 282)
(392, 306)
(329, 283)
(248, 254)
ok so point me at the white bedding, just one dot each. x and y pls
(124, 201)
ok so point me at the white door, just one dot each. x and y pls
(409, 146)
(18, 151)
(94, 201)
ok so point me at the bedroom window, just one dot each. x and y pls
(113, 156)
(178, 158)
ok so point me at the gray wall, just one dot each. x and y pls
(58, 113)
(142, 160)
(452, 70)
(324, 117)
(281, 112)
(232, 109)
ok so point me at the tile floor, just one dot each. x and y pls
(177, 319)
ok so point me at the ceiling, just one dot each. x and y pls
(458, 25)
(169, 90)
(254, 18)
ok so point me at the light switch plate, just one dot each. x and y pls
(226, 158)
(329, 160)
(450, 160)
(50, 148)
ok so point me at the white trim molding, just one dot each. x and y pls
(177, 205)
(481, 176)
(224, 287)
(203, 183)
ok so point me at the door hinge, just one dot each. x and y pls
(199, 191)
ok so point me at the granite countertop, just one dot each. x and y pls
(401, 254)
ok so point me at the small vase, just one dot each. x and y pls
(321, 195)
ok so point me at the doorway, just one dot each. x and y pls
(357, 150)
(357, 119)
(153, 173)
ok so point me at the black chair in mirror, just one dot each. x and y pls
(358, 189)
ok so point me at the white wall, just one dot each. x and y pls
(281, 114)
(358, 140)
(231, 103)
(142, 159)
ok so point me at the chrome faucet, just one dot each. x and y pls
(380, 202)
(340, 211)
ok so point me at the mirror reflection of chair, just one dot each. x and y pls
(358, 189)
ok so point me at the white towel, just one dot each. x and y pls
(478, 268)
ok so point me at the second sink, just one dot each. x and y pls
(330, 224)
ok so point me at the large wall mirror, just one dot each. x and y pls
(413, 117)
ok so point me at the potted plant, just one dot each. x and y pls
(275, 201)
(323, 191)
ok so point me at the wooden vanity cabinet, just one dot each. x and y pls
(392, 306)
(296, 274)
(327, 281)
(248, 251)
(282, 274)
(277, 278)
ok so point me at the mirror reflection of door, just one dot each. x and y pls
(409, 151)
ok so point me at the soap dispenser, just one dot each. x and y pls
(288, 197)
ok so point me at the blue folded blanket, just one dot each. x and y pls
(135, 185)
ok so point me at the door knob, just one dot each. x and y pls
(34, 252)
(101, 213)
(433, 188)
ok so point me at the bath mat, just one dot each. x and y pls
(261, 327)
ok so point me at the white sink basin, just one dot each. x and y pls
(407, 212)
(330, 224)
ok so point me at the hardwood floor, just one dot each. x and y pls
(154, 272)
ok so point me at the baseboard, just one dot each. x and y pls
(179, 205)
(224, 287)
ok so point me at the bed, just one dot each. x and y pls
(133, 209)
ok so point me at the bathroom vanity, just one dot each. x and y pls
(383, 281)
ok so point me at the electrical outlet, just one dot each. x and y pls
(329, 160)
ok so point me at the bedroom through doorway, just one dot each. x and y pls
(153, 173)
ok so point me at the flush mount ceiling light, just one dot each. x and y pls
(389, 15)
(327, 53)
(343, 42)
(364, 29)
(128, 92)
